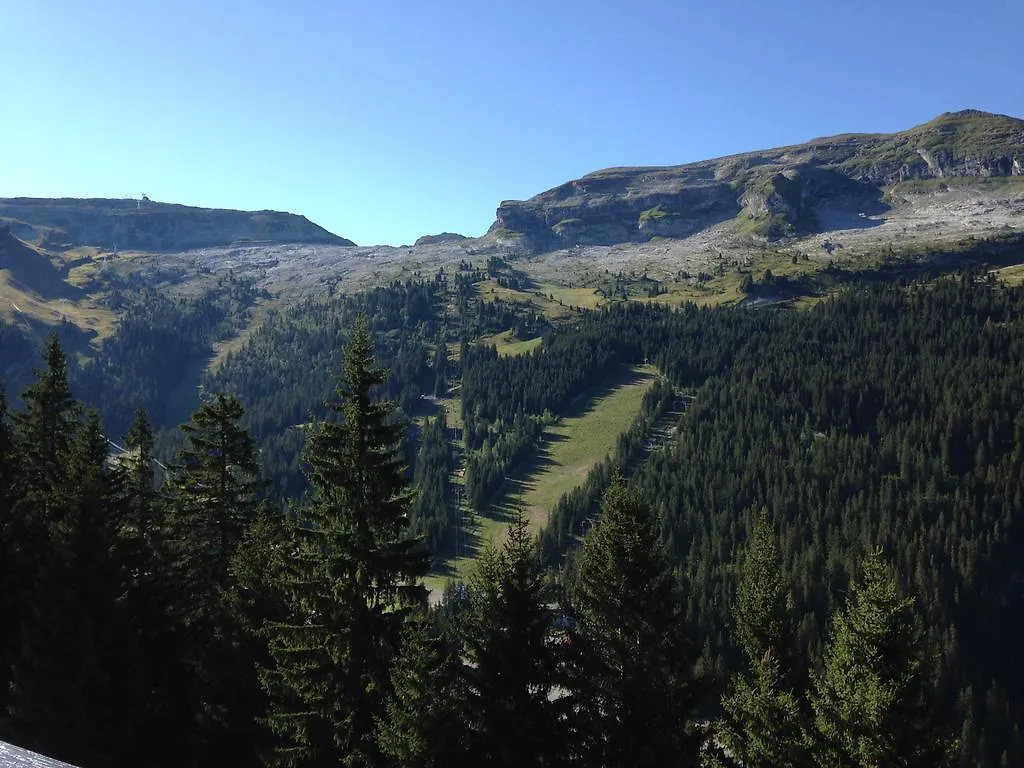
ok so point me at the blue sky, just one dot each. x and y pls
(387, 120)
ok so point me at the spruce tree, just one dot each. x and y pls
(156, 601)
(511, 668)
(7, 463)
(351, 581)
(44, 432)
(762, 723)
(424, 723)
(871, 699)
(215, 495)
(142, 521)
(9, 534)
(38, 491)
(76, 689)
(216, 491)
(633, 683)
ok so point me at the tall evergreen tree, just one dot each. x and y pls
(633, 681)
(216, 490)
(351, 581)
(43, 435)
(76, 688)
(7, 465)
(215, 494)
(156, 601)
(424, 724)
(870, 700)
(762, 723)
(9, 578)
(38, 490)
(141, 517)
(511, 668)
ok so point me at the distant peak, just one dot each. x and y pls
(443, 237)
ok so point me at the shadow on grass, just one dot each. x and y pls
(477, 529)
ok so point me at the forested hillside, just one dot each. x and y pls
(873, 443)
(887, 417)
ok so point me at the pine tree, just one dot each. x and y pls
(511, 669)
(762, 723)
(350, 584)
(870, 700)
(633, 682)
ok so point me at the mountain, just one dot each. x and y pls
(145, 225)
(839, 182)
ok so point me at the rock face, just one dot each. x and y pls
(768, 195)
(443, 237)
(149, 226)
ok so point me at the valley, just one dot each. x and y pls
(825, 336)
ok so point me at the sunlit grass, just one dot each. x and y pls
(571, 447)
(507, 345)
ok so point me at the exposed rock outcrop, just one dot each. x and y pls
(769, 194)
(150, 226)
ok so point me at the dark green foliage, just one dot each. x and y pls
(433, 514)
(870, 705)
(504, 446)
(545, 379)
(44, 432)
(36, 494)
(159, 341)
(216, 486)
(287, 369)
(424, 725)
(349, 583)
(75, 688)
(762, 612)
(632, 685)
(659, 410)
(9, 578)
(510, 668)
(214, 496)
(888, 416)
(763, 719)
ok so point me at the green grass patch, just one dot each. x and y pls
(652, 214)
(570, 448)
(1012, 275)
(508, 345)
(1003, 184)
(567, 223)
(539, 298)
(222, 349)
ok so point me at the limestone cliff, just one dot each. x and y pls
(769, 194)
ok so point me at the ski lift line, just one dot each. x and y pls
(125, 450)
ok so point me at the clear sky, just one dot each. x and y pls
(386, 120)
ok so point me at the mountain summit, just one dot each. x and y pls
(771, 194)
(146, 225)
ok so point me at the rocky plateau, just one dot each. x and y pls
(959, 177)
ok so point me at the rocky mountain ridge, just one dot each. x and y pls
(769, 195)
(145, 225)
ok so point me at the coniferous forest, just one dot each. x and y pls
(820, 568)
